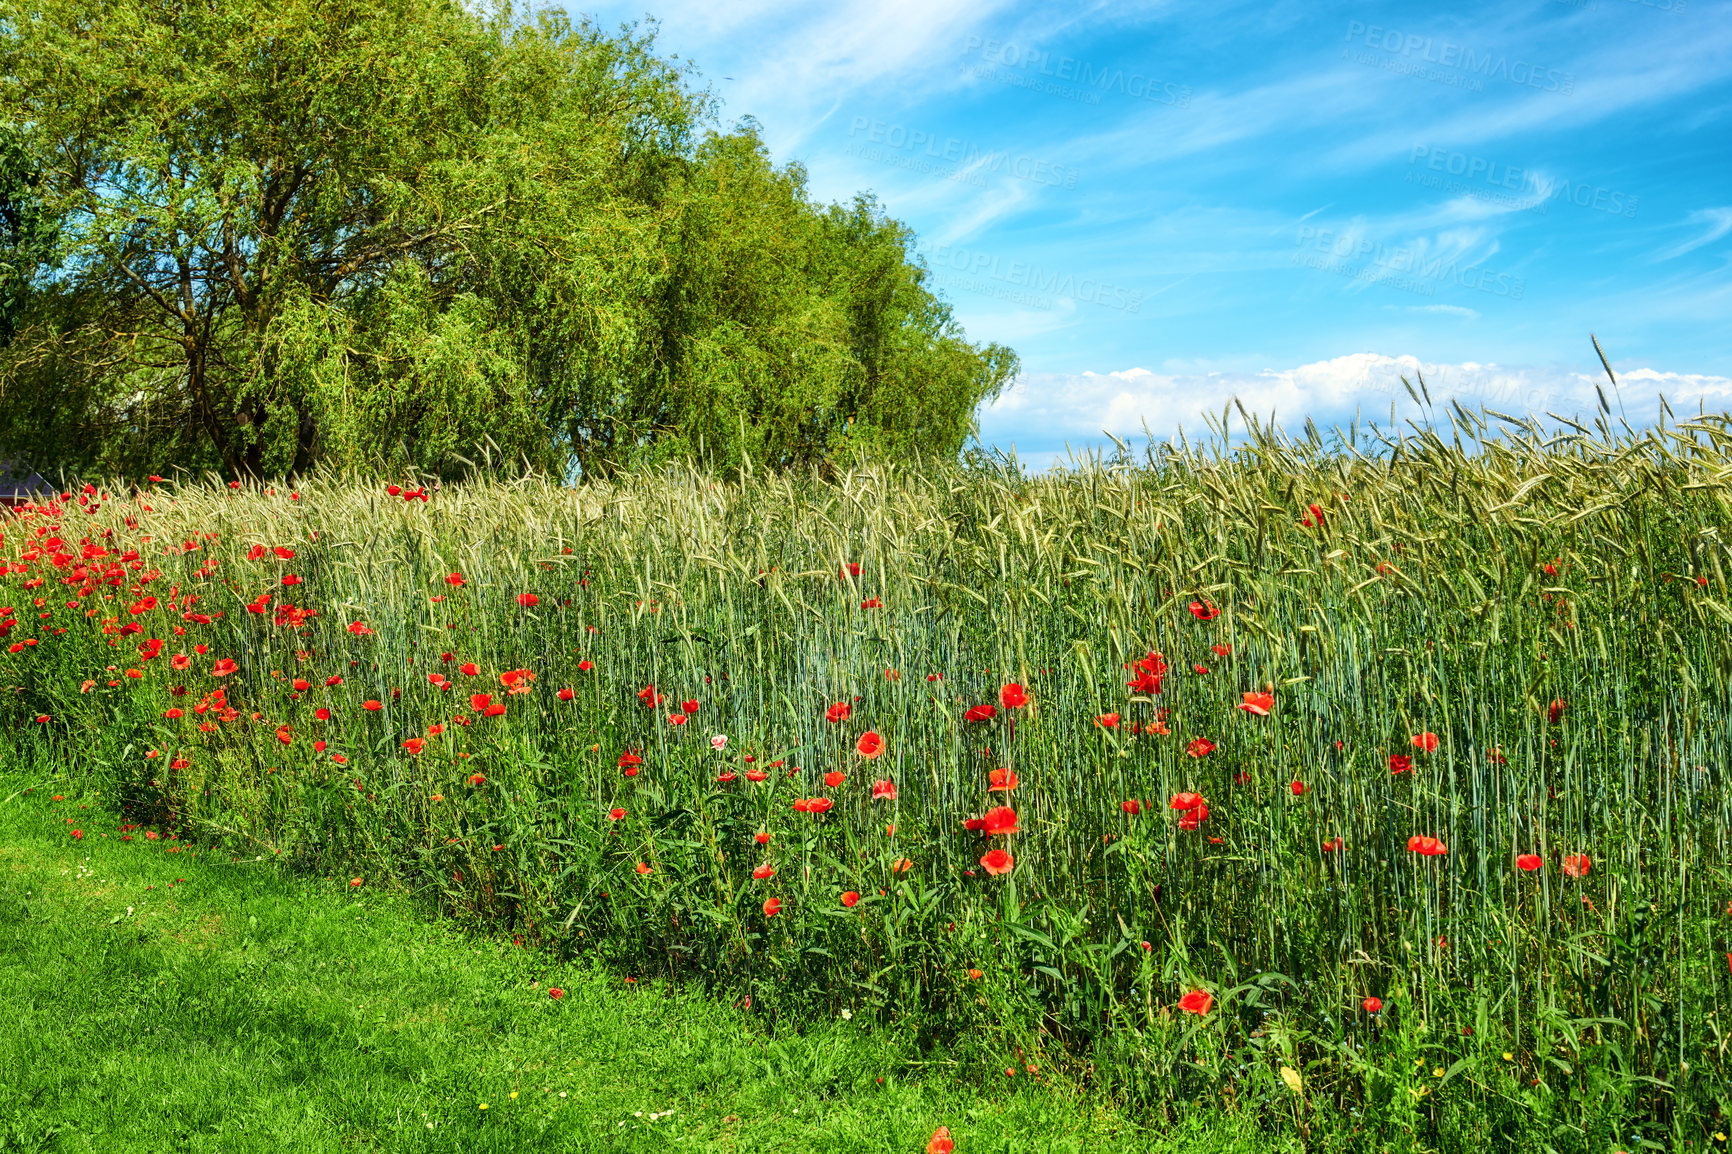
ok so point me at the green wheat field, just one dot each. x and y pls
(1356, 793)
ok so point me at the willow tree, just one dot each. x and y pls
(394, 230)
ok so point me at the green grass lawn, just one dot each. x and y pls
(166, 1001)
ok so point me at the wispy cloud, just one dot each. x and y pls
(1717, 222)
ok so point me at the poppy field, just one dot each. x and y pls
(1377, 792)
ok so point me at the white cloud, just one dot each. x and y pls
(1719, 223)
(1045, 412)
(1445, 310)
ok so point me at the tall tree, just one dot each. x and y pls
(353, 230)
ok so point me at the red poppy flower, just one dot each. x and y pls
(1496, 757)
(359, 629)
(688, 707)
(1576, 865)
(1132, 807)
(615, 814)
(415, 744)
(1195, 818)
(224, 667)
(772, 907)
(565, 694)
(1222, 650)
(676, 719)
(1556, 710)
(1013, 696)
(333, 681)
(1372, 1005)
(644, 869)
(835, 778)
(1108, 721)
(1529, 862)
(477, 778)
(1197, 1002)
(517, 680)
(1425, 742)
(372, 706)
(1203, 611)
(838, 712)
(1400, 763)
(870, 745)
(1298, 788)
(629, 758)
(996, 862)
(1001, 780)
(284, 735)
(318, 747)
(1426, 846)
(480, 701)
(1334, 845)
(764, 872)
(726, 777)
(1150, 671)
(940, 1142)
(1186, 801)
(850, 899)
(980, 713)
(555, 993)
(1200, 747)
(528, 600)
(883, 791)
(1000, 819)
(851, 569)
(1258, 703)
(756, 775)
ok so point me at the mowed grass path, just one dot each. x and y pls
(165, 1001)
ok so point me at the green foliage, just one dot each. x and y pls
(1452, 588)
(352, 232)
(27, 231)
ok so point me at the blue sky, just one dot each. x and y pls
(1162, 207)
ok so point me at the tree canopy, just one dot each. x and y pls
(286, 232)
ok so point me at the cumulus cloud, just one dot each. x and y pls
(1047, 415)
